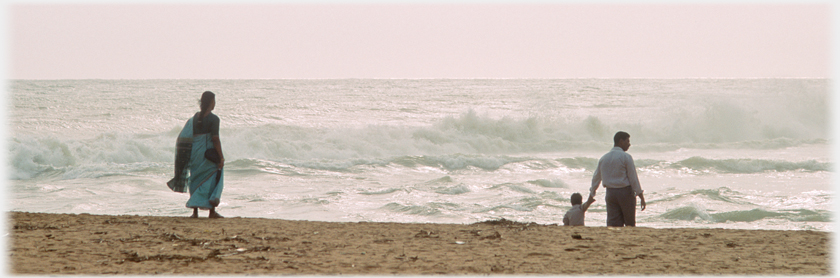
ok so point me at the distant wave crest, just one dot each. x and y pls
(694, 213)
(746, 166)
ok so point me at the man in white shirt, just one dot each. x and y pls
(618, 174)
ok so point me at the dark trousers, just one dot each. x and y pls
(621, 207)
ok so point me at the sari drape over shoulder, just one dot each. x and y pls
(192, 169)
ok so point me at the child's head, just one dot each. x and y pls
(577, 199)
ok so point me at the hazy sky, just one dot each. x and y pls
(231, 41)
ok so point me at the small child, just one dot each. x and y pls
(574, 217)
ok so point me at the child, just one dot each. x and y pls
(574, 217)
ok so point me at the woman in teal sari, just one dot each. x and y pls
(199, 159)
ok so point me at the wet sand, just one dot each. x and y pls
(48, 244)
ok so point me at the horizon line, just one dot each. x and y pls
(414, 78)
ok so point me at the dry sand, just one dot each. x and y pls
(104, 244)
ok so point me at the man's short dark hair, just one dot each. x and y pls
(619, 136)
(577, 199)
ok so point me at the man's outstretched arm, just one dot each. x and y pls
(596, 181)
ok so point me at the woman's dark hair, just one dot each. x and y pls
(619, 136)
(206, 99)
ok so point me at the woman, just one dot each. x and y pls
(197, 145)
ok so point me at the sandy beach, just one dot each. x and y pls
(48, 244)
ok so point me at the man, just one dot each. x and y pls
(618, 173)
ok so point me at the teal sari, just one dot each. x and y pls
(204, 178)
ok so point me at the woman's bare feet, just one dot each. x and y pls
(195, 214)
(214, 214)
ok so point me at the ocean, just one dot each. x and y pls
(710, 153)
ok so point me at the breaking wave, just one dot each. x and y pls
(690, 213)
(453, 143)
(746, 166)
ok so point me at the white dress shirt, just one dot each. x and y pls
(616, 170)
